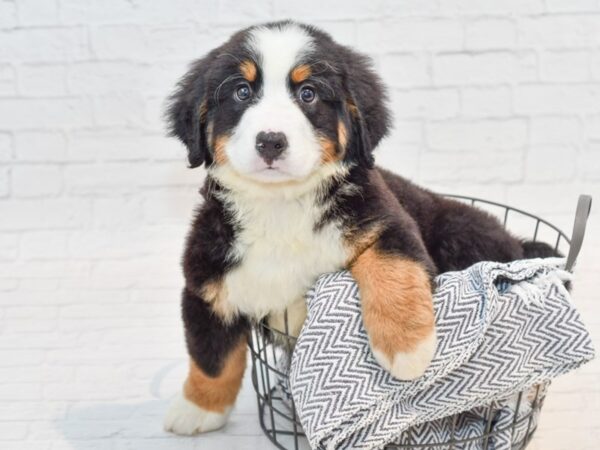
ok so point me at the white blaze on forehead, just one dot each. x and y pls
(279, 51)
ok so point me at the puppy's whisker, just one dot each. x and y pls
(235, 76)
(325, 84)
(235, 58)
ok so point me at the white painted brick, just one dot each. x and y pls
(556, 130)
(335, 9)
(34, 12)
(43, 80)
(592, 127)
(595, 65)
(9, 246)
(36, 181)
(40, 113)
(8, 14)
(559, 31)
(407, 131)
(8, 80)
(426, 103)
(89, 11)
(403, 157)
(557, 98)
(550, 163)
(20, 391)
(44, 269)
(118, 212)
(90, 179)
(473, 7)
(5, 177)
(6, 147)
(31, 214)
(33, 410)
(490, 33)
(106, 244)
(123, 11)
(405, 70)
(546, 198)
(8, 284)
(410, 34)
(122, 145)
(44, 245)
(104, 77)
(486, 101)
(591, 162)
(484, 68)
(40, 146)
(571, 5)
(145, 43)
(399, 8)
(242, 12)
(172, 206)
(481, 135)
(44, 44)
(484, 168)
(119, 110)
(12, 431)
(561, 66)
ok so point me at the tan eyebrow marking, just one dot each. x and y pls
(300, 73)
(248, 69)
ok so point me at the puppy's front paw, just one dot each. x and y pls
(398, 313)
(186, 418)
(408, 365)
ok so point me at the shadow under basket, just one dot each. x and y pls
(486, 427)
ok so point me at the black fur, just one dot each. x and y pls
(208, 339)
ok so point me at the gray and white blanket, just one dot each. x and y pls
(502, 329)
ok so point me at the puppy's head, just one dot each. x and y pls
(277, 103)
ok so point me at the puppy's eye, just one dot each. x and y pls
(243, 92)
(307, 94)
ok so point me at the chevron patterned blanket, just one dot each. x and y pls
(502, 328)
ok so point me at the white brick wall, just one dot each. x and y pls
(499, 99)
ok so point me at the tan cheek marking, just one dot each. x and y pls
(248, 69)
(396, 299)
(300, 73)
(220, 155)
(342, 134)
(328, 150)
(217, 393)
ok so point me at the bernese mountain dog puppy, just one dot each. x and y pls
(285, 121)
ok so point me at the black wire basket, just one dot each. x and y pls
(271, 349)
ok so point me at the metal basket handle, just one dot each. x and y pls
(584, 206)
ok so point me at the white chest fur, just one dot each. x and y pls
(281, 254)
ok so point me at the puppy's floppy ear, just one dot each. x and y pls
(366, 106)
(187, 112)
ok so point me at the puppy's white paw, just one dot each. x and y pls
(186, 418)
(407, 366)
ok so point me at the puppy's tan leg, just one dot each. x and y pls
(398, 311)
(206, 401)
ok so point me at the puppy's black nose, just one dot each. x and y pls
(270, 145)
